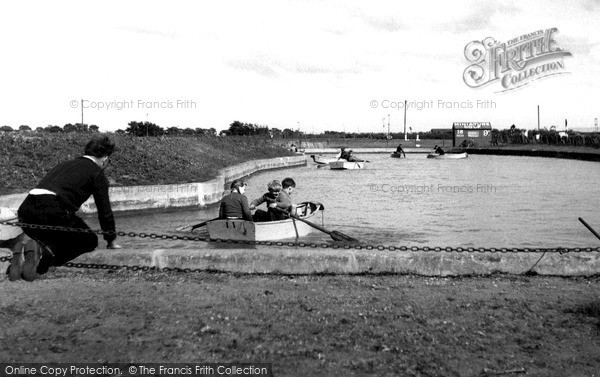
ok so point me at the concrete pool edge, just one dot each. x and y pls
(127, 199)
(308, 261)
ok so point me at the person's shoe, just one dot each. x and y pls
(16, 263)
(47, 259)
(16, 267)
(33, 253)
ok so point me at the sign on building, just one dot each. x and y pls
(469, 133)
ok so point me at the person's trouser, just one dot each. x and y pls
(262, 216)
(65, 245)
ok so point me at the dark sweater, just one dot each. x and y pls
(235, 205)
(74, 182)
(268, 198)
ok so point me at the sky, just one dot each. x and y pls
(308, 65)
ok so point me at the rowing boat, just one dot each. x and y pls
(447, 155)
(322, 160)
(242, 230)
(346, 165)
(397, 155)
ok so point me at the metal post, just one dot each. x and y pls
(405, 138)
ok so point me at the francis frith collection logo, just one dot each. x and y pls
(515, 63)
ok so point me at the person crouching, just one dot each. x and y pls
(55, 201)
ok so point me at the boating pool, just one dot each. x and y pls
(480, 201)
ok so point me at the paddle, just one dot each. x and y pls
(194, 226)
(337, 236)
(590, 228)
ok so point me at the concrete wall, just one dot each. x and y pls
(137, 198)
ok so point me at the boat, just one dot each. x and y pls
(397, 155)
(243, 230)
(322, 160)
(447, 155)
(8, 232)
(346, 165)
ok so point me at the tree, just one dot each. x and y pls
(53, 129)
(239, 128)
(69, 128)
(24, 128)
(6, 129)
(144, 129)
(276, 132)
(94, 128)
(173, 131)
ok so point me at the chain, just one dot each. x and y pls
(560, 250)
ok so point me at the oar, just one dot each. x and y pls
(590, 228)
(337, 236)
(194, 226)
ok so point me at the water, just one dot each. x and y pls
(481, 201)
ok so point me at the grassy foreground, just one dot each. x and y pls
(25, 158)
(349, 325)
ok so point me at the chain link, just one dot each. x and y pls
(437, 249)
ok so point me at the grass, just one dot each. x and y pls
(26, 158)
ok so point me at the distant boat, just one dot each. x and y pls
(322, 160)
(447, 155)
(242, 230)
(346, 165)
(397, 155)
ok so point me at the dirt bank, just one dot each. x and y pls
(308, 325)
(26, 158)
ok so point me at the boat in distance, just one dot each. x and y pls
(346, 165)
(448, 155)
(322, 160)
(243, 230)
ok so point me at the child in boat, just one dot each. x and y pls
(270, 199)
(284, 203)
(235, 205)
(343, 154)
(438, 150)
(351, 158)
(400, 151)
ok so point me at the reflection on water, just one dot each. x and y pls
(481, 201)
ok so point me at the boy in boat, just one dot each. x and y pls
(350, 157)
(284, 203)
(235, 205)
(270, 198)
(400, 151)
(343, 154)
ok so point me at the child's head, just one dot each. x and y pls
(274, 187)
(288, 185)
(239, 185)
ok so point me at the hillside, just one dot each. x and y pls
(25, 158)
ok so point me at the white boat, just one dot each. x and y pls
(448, 155)
(346, 165)
(242, 230)
(322, 160)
